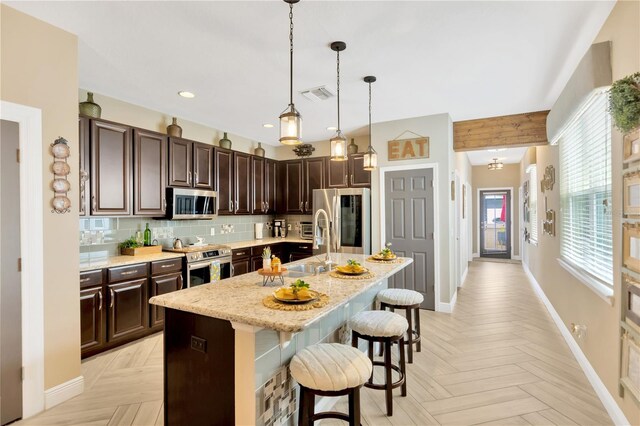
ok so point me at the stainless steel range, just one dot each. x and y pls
(205, 263)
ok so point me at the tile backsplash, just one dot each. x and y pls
(100, 236)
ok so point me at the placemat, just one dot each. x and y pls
(373, 260)
(271, 303)
(366, 276)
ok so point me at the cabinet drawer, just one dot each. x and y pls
(90, 278)
(303, 247)
(240, 253)
(127, 272)
(257, 250)
(166, 266)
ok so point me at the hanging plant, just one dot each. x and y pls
(624, 102)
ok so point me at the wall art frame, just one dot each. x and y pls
(631, 246)
(631, 194)
(632, 304)
(630, 365)
(631, 146)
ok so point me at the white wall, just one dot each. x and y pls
(439, 129)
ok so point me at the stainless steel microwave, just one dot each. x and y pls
(191, 204)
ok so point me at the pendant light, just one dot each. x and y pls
(370, 156)
(290, 119)
(338, 141)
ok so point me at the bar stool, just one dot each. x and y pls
(329, 369)
(409, 300)
(386, 328)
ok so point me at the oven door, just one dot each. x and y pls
(199, 273)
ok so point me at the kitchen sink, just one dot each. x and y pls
(306, 269)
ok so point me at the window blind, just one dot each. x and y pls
(585, 190)
(533, 204)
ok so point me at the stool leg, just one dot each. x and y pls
(410, 335)
(387, 367)
(354, 407)
(383, 307)
(371, 358)
(303, 419)
(354, 339)
(418, 345)
(403, 367)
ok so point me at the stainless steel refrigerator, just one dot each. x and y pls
(349, 212)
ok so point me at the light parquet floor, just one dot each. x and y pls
(498, 359)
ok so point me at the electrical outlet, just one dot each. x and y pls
(213, 231)
(199, 344)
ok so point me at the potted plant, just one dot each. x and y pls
(624, 102)
(266, 259)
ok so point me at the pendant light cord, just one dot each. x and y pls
(291, 54)
(369, 114)
(338, 87)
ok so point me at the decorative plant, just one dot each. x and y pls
(266, 253)
(353, 263)
(299, 285)
(624, 102)
(130, 243)
(386, 251)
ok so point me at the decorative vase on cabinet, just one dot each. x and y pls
(173, 129)
(259, 151)
(225, 142)
(90, 108)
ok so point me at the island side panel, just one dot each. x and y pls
(199, 384)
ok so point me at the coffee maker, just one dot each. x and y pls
(279, 228)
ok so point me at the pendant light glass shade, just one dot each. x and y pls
(290, 127)
(290, 119)
(370, 160)
(339, 147)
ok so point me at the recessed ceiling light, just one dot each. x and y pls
(186, 94)
(332, 128)
(267, 125)
(497, 149)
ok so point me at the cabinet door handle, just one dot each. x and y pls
(93, 204)
(164, 204)
(189, 178)
(240, 254)
(351, 180)
(267, 206)
(346, 179)
(113, 296)
(128, 272)
(306, 206)
(181, 282)
(100, 300)
(304, 247)
(230, 205)
(195, 175)
(233, 270)
(84, 280)
(166, 266)
(301, 206)
(290, 257)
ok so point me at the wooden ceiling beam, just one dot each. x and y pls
(507, 131)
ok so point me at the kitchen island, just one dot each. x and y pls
(222, 345)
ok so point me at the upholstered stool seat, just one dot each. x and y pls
(400, 297)
(409, 300)
(330, 369)
(378, 324)
(385, 328)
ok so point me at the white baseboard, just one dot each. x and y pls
(615, 412)
(63, 392)
(464, 277)
(447, 308)
(516, 257)
(475, 255)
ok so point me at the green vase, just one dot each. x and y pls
(90, 108)
(225, 142)
(259, 151)
(352, 148)
(173, 129)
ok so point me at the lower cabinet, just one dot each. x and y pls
(299, 251)
(241, 266)
(162, 284)
(92, 319)
(128, 304)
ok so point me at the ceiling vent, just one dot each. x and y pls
(317, 94)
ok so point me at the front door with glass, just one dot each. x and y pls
(495, 224)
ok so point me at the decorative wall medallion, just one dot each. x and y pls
(549, 223)
(304, 150)
(60, 185)
(549, 179)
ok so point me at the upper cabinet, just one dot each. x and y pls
(110, 174)
(258, 203)
(241, 183)
(149, 173)
(224, 180)
(298, 179)
(190, 164)
(270, 185)
(348, 174)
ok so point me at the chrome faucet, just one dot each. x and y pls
(327, 259)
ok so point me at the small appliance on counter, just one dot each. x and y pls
(258, 230)
(279, 228)
(306, 230)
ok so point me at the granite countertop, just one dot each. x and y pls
(239, 299)
(113, 261)
(266, 241)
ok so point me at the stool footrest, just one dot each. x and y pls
(394, 385)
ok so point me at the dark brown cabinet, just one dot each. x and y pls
(270, 185)
(298, 179)
(110, 169)
(84, 128)
(190, 164)
(149, 173)
(224, 180)
(298, 251)
(358, 176)
(128, 315)
(240, 266)
(91, 318)
(163, 284)
(348, 174)
(242, 183)
(258, 203)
